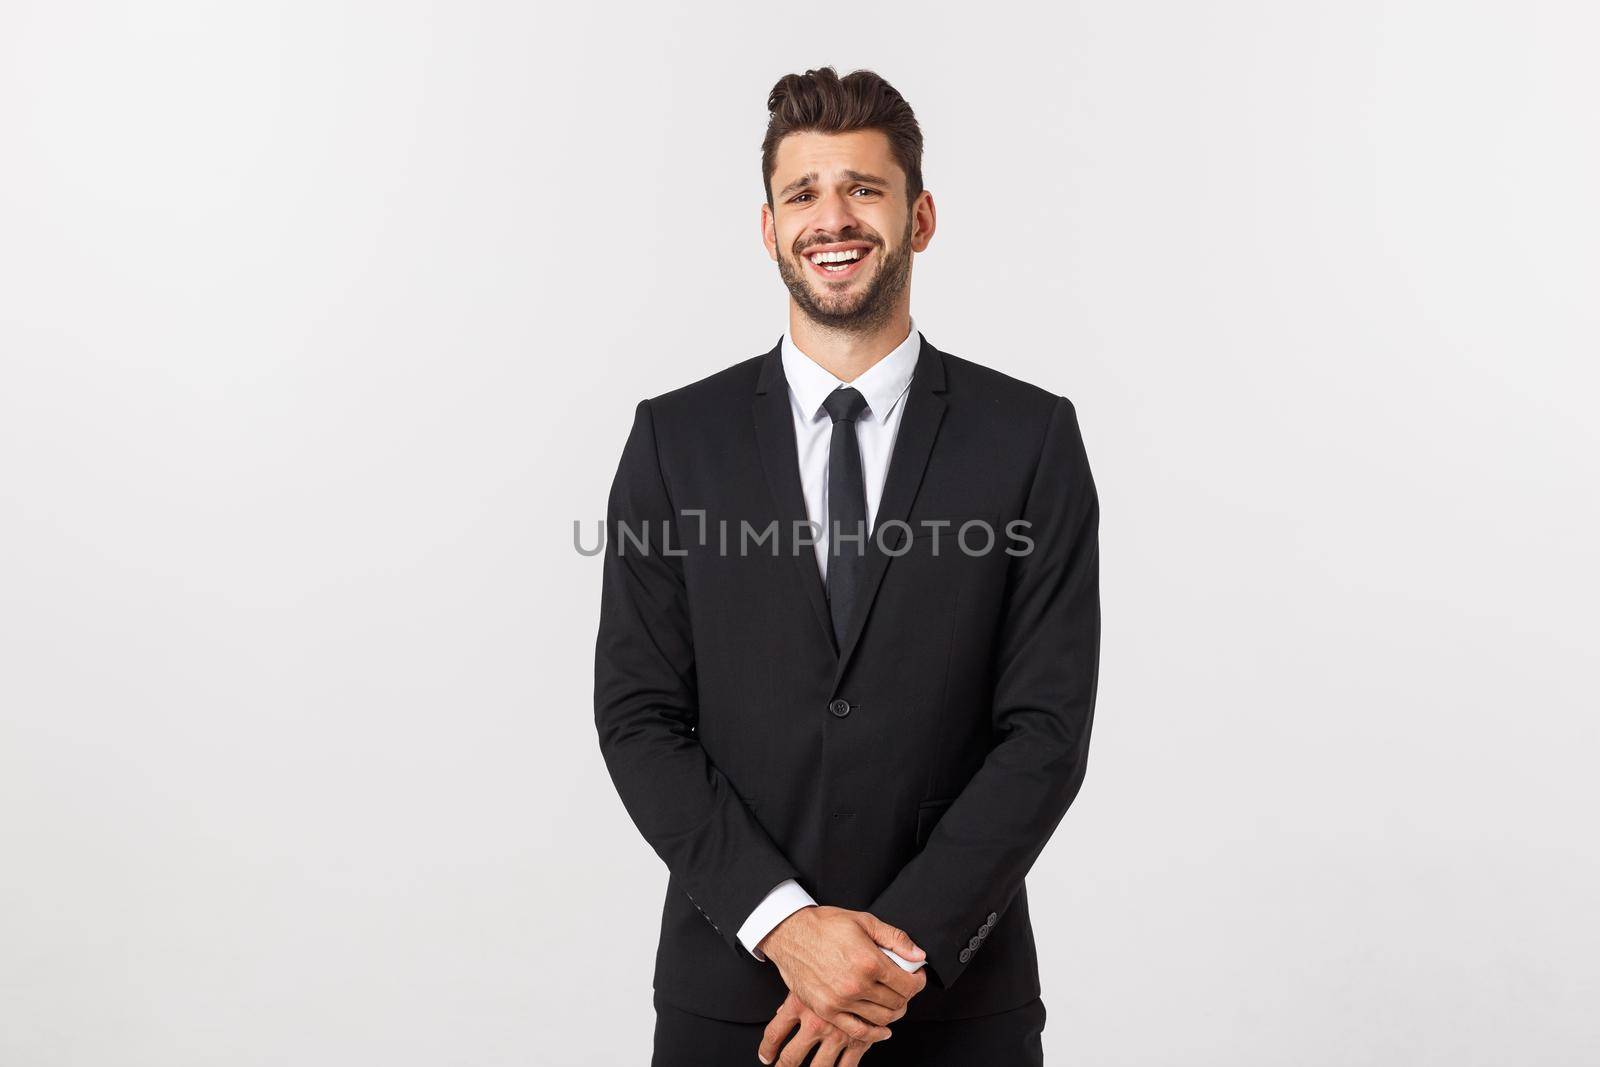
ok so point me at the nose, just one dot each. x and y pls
(834, 215)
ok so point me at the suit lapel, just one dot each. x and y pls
(781, 462)
(918, 427)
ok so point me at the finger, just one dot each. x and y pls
(858, 1028)
(873, 1012)
(906, 983)
(897, 996)
(881, 998)
(879, 992)
(828, 1052)
(885, 995)
(892, 937)
(778, 1029)
(889, 996)
(794, 1053)
(851, 1057)
(874, 989)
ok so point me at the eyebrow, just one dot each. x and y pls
(849, 175)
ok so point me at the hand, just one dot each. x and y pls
(835, 1048)
(830, 958)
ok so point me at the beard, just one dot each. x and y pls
(866, 309)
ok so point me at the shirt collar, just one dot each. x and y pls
(883, 384)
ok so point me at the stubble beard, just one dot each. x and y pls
(872, 308)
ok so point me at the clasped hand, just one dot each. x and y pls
(843, 991)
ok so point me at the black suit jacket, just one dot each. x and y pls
(916, 771)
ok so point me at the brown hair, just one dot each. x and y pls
(820, 101)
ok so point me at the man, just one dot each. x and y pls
(849, 643)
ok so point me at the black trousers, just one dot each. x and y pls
(1008, 1039)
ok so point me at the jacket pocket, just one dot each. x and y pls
(928, 815)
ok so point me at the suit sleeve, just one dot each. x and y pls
(958, 887)
(646, 706)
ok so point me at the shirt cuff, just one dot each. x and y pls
(784, 900)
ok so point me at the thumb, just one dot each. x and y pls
(892, 938)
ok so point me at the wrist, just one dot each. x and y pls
(775, 940)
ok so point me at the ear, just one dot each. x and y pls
(769, 232)
(923, 221)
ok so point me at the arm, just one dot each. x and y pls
(646, 707)
(1047, 665)
(785, 899)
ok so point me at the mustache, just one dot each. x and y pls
(841, 240)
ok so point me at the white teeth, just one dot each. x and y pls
(846, 256)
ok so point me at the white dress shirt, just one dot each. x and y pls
(884, 385)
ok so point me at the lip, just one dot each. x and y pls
(838, 275)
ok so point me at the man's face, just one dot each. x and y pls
(842, 196)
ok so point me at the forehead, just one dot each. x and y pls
(829, 154)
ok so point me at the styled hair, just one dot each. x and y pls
(820, 101)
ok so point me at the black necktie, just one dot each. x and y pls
(847, 508)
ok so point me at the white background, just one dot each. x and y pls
(322, 322)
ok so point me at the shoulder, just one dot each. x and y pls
(701, 420)
(1011, 405)
(1028, 429)
(711, 394)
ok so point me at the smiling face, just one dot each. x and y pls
(841, 230)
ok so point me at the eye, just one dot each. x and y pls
(858, 189)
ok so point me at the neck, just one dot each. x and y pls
(847, 354)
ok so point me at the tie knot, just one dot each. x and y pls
(845, 405)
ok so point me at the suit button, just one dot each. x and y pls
(994, 917)
(974, 943)
(966, 954)
(983, 933)
(840, 708)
